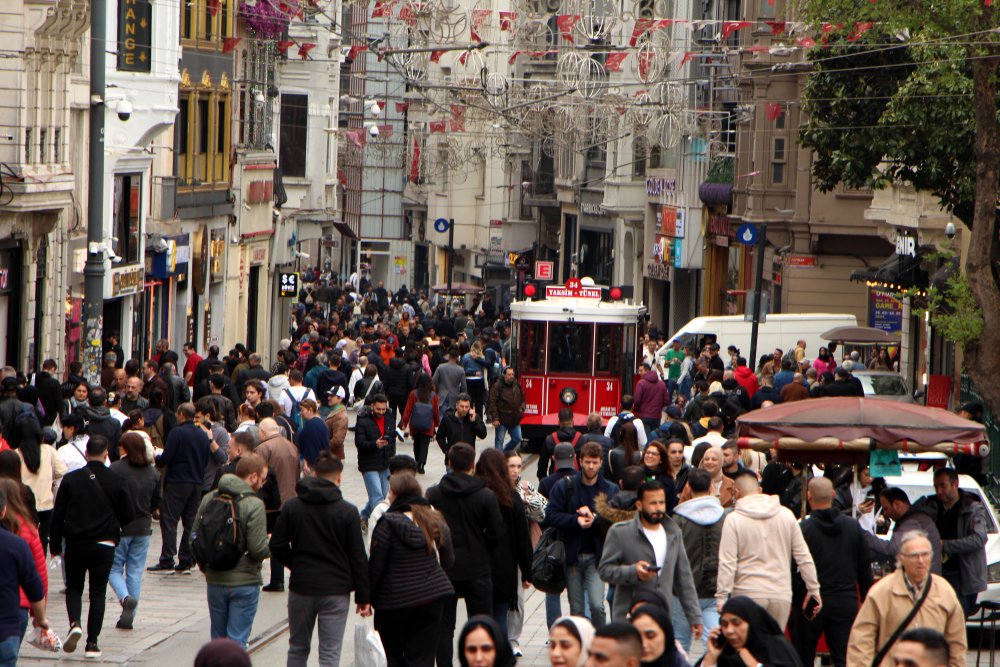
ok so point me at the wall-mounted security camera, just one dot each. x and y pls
(259, 100)
(124, 110)
(949, 230)
(373, 130)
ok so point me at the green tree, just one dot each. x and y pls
(922, 109)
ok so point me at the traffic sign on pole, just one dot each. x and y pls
(747, 234)
(441, 225)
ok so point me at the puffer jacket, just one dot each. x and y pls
(970, 546)
(254, 526)
(402, 572)
(700, 520)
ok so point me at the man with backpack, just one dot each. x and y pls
(626, 415)
(506, 408)
(231, 559)
(565, 433)
(293, 396)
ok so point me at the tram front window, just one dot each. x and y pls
(609, 349)
(570, 347)
(531, 347)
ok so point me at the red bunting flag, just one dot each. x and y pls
(688, 55)
(641, 26)
(384, 131)
(777, 27)
(729, 27)
(457, 118)
(462, 59)
(566, 23)
(645, 61)
(304, 50)
(436, 56)
(507, 21)
(774, 110)
(415, 164)
(355, 51)
(230, 43)
(341, 177)
(382, 8)
(613, 63)
(213, 7)
(479, 17)
(401, 107)
(285, 44)
(437, 126)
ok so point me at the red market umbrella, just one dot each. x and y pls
(816, 428)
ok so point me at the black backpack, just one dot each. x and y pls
(219, 542)
(623, 418)
(548, 563)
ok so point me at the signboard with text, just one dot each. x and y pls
(563, 291)
(135, 30)
(544, 270)
(885, 311)
(288, 284)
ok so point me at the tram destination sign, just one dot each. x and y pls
(563, 291)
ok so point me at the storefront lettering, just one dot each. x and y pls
(259, 256)
(906, 245)
(135, 28)
(127, 281)
(658, 271)
(718, 225)
(592, 209)
(260, 192)
(658, 185)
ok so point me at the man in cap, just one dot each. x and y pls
(336, 420)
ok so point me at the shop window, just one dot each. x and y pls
(204, 137)
(126, 216)
(292, 138)
(531, 348)
(207, 22)
(183, 136)
(778, 160)
(594, 255)
(570, 348)
(640, 150)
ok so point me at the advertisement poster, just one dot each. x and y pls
(885, 311)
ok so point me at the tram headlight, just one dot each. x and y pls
(568, 396)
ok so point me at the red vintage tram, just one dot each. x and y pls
(576, 348)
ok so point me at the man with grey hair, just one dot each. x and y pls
(891, 601)
(254, 371)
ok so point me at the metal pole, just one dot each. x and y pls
(757, 284)
(93, 270)
(451, 257)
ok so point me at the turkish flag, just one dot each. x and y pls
(613, 63)
(566, 23)
(415, 164)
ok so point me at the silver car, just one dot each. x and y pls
(886, 385)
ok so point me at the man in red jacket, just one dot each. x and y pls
(650, 397)
(745, 376)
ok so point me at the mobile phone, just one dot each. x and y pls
(653, 568)
(719, 641)
(870, 498)
(810, 610)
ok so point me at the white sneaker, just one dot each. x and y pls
(75, 633)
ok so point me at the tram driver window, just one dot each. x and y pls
(609, 349)
(570, 348)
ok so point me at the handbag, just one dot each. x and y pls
(882, 652)
(368, 650)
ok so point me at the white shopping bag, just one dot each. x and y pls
(368, 651)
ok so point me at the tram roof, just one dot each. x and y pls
(563, 309)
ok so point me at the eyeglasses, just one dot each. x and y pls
(917, 555)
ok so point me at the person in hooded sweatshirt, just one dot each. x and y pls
(843, 566)
(100, 421)
(759, 540)
(473, 516)
(745, 376)
(700, 520)
(318, 538)
(650, 397)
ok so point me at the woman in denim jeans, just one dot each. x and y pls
(130, 555)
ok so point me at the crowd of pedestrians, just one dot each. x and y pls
(669, 533)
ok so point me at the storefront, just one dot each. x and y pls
(12, 303)
(595, 240)
(724, 281)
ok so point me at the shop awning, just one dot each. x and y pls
(900, 272)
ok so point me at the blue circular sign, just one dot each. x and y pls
(747, 234)
(441, 225)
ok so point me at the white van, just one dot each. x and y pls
(779, 331)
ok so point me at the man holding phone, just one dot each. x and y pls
(375, 437)
(647, 551)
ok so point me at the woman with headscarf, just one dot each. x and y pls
(569, 639)
(747, 635)
(659, 649)
(483, 644)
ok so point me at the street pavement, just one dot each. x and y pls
(172, 620)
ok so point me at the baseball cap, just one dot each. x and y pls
(337, 391)
(563, 455)
(674, 412)
(9, 384)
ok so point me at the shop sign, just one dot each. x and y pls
(718, 225)
(592, 209)
(568, 291)
(288, 284)
(658, 185)
(399, 265)
(544, 270)
(259, 255)
(209, 338)
(135, 29)
(216, 250)
(938, 391)
(127, 280)
(260, 192)
(668, 221)
(906, 245)
(658, 271)
(885, 311)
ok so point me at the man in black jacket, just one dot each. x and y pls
(462, 425)
(318, 537)
(100, 421)
(473, 516)
(49, 391)
(375, 438)
(92, 505)
(565, 433)
(843, 567)
(186, 454)
(397, 382)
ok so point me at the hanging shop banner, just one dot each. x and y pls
(135, 30)
(885, 311)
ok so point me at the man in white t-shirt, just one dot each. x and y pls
(295, 391)
(646, 552)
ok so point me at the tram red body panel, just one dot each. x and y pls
(534, 394)
(607, 397)
(557, 385)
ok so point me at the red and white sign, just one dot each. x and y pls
(565, 291)
(801, 261)
(544, 270)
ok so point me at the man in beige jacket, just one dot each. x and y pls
(890, 600)
(759, 540)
